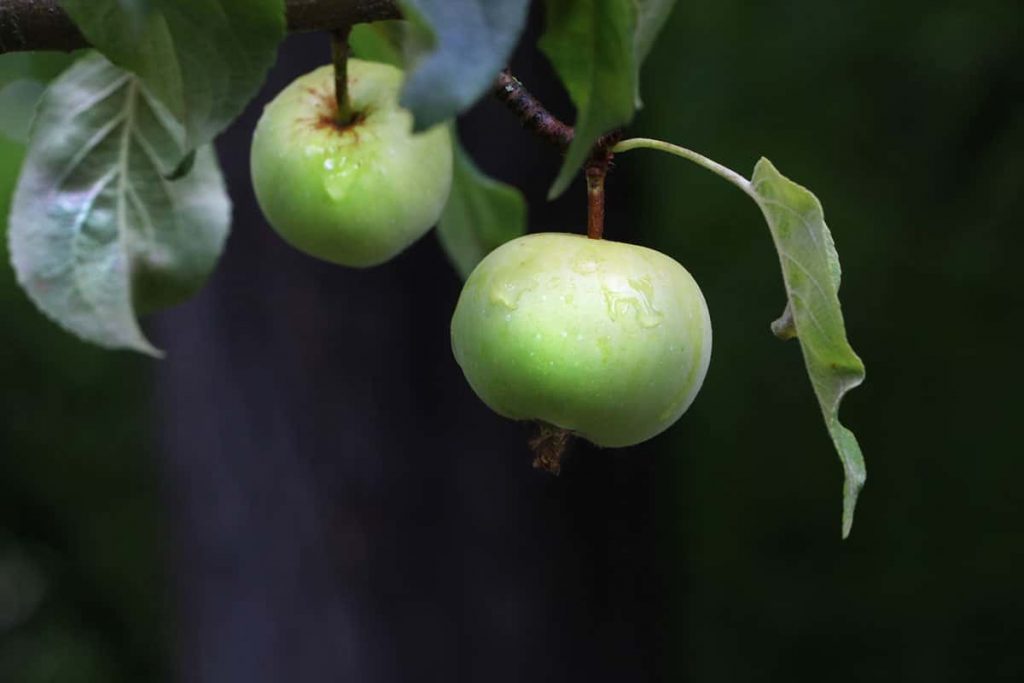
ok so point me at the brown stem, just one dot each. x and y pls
(595, 199)
(318, 15)
(339, 56)
(596, 170)
(27, 25)
(534, 115)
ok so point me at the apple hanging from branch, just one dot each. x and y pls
(354, 191)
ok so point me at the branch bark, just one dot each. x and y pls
(533, 115)
(29, 25)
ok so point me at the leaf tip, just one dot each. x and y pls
(848, 520)
(785, 327)
(183, 167)
(560, 185)
(423, 116)
(851, 490)
(148, 349)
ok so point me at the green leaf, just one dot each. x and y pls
(203, 59)
(455, 49)
(39, 66)
(379, 41)
(17, 106)
(591, 44)
(23, 78)
(810, 269)
(651, 16)
(96, 232)
(481, 214)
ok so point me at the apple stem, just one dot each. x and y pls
(339, 55)
(535, 117)
(596, 170)
(596, 174)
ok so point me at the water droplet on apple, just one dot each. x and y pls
(509, 292)
(622, 297)
(585, 263)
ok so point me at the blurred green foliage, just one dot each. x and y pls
(907, 121)
(80, 584)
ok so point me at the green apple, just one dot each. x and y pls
(608, 340)
(357, 192)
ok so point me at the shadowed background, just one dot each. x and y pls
(306, 489)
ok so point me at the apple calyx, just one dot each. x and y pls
(549, 446)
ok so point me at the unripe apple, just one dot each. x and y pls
(356, 192)
(607, 340)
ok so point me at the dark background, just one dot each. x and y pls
(306, 489)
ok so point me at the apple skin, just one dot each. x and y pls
(355, 194)
(608, 340)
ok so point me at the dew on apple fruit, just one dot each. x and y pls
(340, 181)
(508, 293)
(607, 340)
(585, 263)
(636, 295)
(355, 194)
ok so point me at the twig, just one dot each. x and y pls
(530, 111)
(27, 25)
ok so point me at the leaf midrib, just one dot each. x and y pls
(125, 119)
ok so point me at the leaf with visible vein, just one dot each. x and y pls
(591, 44)
(203, 59)
(810, 269)
(481, 215)
(455, 49)
(96, 231)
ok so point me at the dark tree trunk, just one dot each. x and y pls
(340, 505)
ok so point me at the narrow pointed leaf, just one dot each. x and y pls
(591, 44)
(810, 269)
(454, 50)
(651, 16)
(96, 232)
(481, 214)
(203, 59)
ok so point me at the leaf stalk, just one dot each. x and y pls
(699, 159)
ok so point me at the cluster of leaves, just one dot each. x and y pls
(121, 208)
